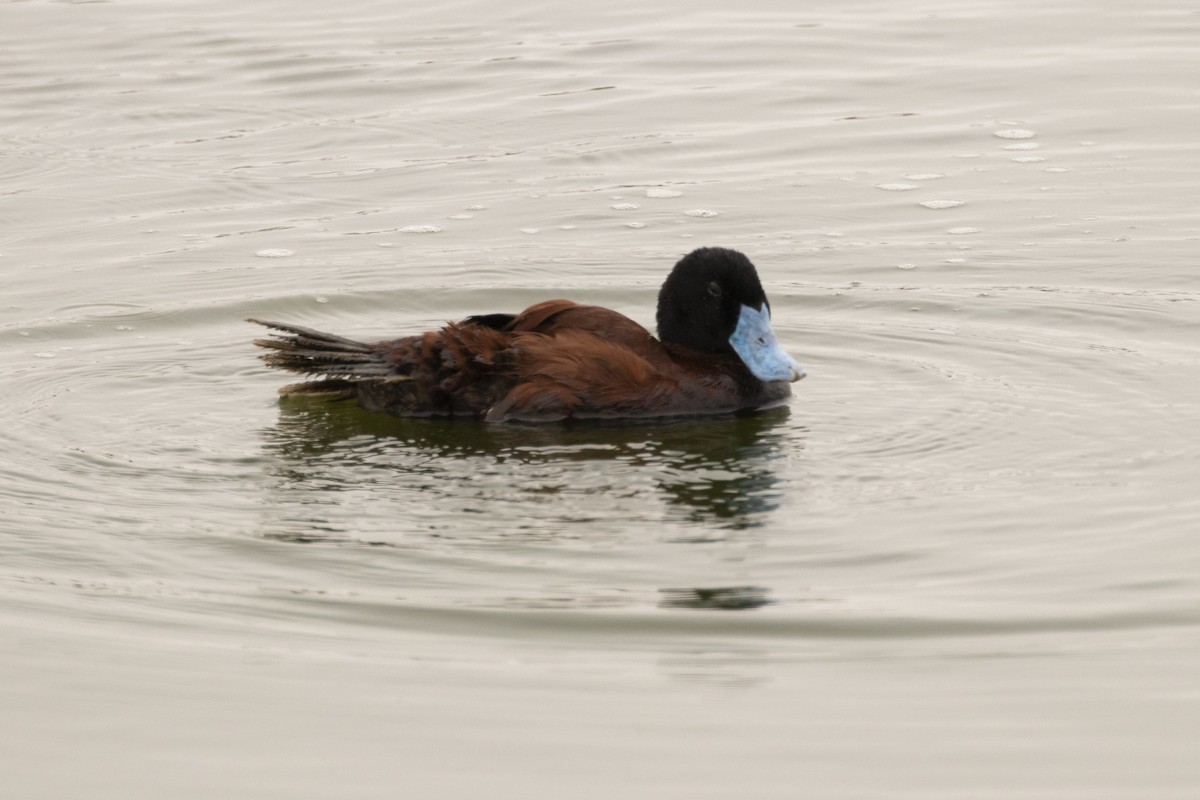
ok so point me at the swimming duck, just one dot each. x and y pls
(558, 360)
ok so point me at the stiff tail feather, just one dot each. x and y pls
(340, 362)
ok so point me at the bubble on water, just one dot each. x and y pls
(635, 224)
(939, 204)
(476, 208)
(1088, 143)
(274, 252)
(701, 212)
(895, 187)
(659, 192)
(566, 227)
(956, 261)
(1057, 169)
(624, 206)
(123, 328)
(906, 266)
(1027, 159)
(421, 229)
(461, 216)
(321, 299)
(925, 176)
(1014, 133)
(45, 355)
(23, 333)
(963, 230)
(531, 231)
(833, 234)
(387, 244)
(1022, 146)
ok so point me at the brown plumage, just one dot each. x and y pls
(558, 360)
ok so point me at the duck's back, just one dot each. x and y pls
(554, 360)
(591, 362)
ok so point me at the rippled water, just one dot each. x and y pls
(961, 563)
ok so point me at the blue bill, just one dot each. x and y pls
(754, 341)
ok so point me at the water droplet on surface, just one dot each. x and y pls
(274, 252)
(925, 176)
(939, 204)
(1014, 133)
(45, 355)
(895, 187)
(461, 216)
(963, 230)
(566, 227)
(701, 212)
(421, 229)
(635, 224)
(476, 208)
(531, 230)
(1057, 169)
(1027, 159)
(1022, 146)
(659, 192)
(123, 328)
(956, 261)
(624, 206)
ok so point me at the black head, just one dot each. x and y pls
(713, 302)
(699, 304)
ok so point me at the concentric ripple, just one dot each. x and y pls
(923, 410)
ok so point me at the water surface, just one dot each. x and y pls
(961, 563)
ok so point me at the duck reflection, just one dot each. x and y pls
(724, 598)
(716, 472)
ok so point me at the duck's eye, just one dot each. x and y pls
(714, 289)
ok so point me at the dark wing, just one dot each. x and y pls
(575, 373)
(496, 322)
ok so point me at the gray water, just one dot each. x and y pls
(962, 563)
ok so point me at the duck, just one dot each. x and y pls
(559, 360)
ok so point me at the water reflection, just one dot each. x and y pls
(724, 598)
(535, 481)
